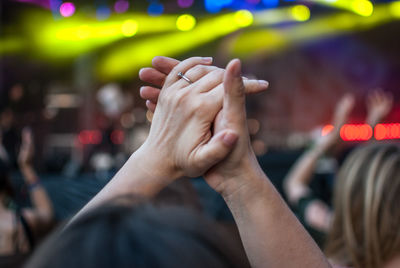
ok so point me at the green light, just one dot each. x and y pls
(363, 7)
(243, 18)
(185, 22)
(129, 28)
(300, 13)
(395, 9)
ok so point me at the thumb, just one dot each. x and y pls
(217, 148)
(234, 91)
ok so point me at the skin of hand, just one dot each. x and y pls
(340, 117)
(180, 132)
(379, 103)
(27, 148)
(162, 66)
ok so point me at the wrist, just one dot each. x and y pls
(155, 164)
(241, 179)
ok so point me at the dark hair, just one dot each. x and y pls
(143, 235)
(5, 183)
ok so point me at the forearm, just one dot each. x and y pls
(38, 195)
(271, 234)
(300, 175)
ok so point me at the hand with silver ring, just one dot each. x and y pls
(180, 133)
(162, 66)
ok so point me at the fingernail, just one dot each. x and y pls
(230, 138)
(263, 83)
(207, 59)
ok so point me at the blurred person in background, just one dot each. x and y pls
(199, 127)
(365, 229)
(315, 213)
(20, 228)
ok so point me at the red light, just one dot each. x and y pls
(326, 130)
(117, 137)
(356, 132)
(387, 131)
(90, 137)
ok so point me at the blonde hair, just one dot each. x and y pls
(366, 227)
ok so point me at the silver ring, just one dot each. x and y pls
(184, 77)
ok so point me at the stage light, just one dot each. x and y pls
(362, 7)
(90, 137)
(103, 12)
(394, 8)
(327, 129)
(185, 3)
(214, 6)
(243, 18)
(67, 9)
(356, 132)
(129, 28)
(117, 137)
(131, 56)
(271, 3)
(300, 13)
(185, 22)
(155, 9)
(387, 131)
(121, 6)
(253, 2)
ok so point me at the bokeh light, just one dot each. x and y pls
(271, 3)
(67, 9)
(356, 132)
(326, 130)
(300, 13)
(395, 9)
(243, 18)
(185, 22)
(155, 9)
(253, 2)
(121, 6)
(185, 3)
(129, 28)
(363, 7)
(103, 12)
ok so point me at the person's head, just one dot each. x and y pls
(142, 235)
(365, 230)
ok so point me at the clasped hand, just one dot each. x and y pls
(200, 124)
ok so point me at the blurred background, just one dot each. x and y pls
(69, 71)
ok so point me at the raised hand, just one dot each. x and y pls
(27, 148)
(379, 103)
(162, 66)
(181, 128)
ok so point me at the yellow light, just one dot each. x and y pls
(363, 7)
(83, 32)
(395, 9)
(243, 18)
(185, 22)
(129, 28)
(300, 13)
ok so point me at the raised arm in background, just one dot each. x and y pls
(296, 183)
(41, 213)
(270, 233)
(379, 103)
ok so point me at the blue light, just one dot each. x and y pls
(271, 3)
(155, 9)
(103, 12)
(214, 6)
